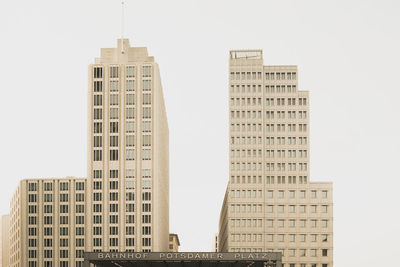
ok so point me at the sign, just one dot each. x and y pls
(182, 256)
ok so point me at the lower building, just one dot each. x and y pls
(5, 240)
(174, 243)
(47, 223)
(294, 219)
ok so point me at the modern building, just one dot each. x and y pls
(270, 203)
(128, 153)
(47, 218)
(5, 240)
(173, 243)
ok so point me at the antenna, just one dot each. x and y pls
(122, 18)
(122, 25)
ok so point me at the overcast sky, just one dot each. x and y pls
(347, 52)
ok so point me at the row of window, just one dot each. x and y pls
(114, 86)
(114, 71)
(268, 75)
(279, 238)
(63, 242)
(129, 173)
(268, 179)
(63, 231)
(269, 89)
(49, 220)
(257, 166)
(254, 114)
(281, 140)
(129, 242)
(130, 196)
(129, 127)
(129, 141)
(269, 153)
(48, 186)
(114, 154)
(268, 101)
(114, 99)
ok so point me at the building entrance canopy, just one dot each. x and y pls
(183, 259)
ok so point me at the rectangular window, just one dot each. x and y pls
(114, 72)
(114, 86)
(130, 71)
(130, 113)
(146, 71)
(97, 72)
(130, 99)
(146, 85)
(130, 126)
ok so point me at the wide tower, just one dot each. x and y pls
(270, 202)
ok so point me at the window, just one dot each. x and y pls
(130, 140)
(114, 113)
(146, 126)
(130, 113)
(324, 194)
(130, 71)
(114, 127)
(130, 126)
(114, 72)
(146, 140)
(146, 99)
(97, 72)
(114, 99)
(130, 99)
(146, 71)
(130, 86)
(114, 86)
(146, 85)
(97, 100)
(147, 113)
(113, 154)
(313, 194)
(146, 154)
(130, 154)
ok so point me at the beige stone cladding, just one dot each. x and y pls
(270, 203)
(128, 153)
(47, 224)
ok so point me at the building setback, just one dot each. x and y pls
(270, 204)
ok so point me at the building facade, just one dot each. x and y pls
(270, 203)
(128, 153)
(48, 223)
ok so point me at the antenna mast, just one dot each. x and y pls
(122, 25)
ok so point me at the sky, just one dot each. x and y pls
(347, 53)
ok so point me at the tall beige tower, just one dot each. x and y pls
(128, 153)
(270, 203)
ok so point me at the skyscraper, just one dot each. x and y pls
(270, 203)
(128, 153)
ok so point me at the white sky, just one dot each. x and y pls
(348, 58)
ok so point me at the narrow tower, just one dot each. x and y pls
(128, 153)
